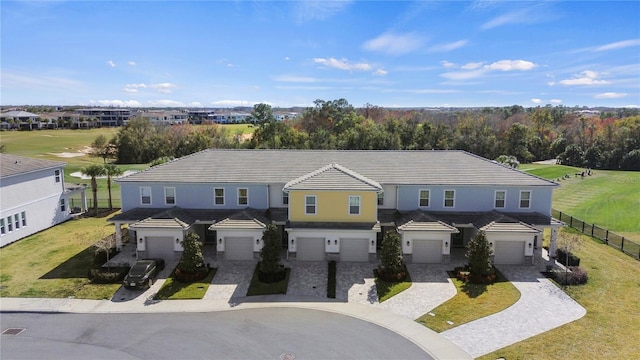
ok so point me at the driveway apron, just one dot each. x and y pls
(542, 306)
(231, 281)
(355, 282)
(308, 278)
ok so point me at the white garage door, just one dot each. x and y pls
(427, 251)
(354, 249)
(160, 247)
(238, 248)
(310, 249)
(509, 252)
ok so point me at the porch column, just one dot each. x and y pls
(553, 246)
(118, 236)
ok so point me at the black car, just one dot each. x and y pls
(142, 273)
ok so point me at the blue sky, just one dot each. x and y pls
(290, 53)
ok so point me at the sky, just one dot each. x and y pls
(216, 54)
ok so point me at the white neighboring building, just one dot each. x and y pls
(33, 196)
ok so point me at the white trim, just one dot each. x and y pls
(495, 199)
(141, 196)
(315, 204)
(428, 198)
(175, 200)
(246, 196)
(444, 199)
(520, 199)
(215, 196)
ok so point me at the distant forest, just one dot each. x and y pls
(604, 140)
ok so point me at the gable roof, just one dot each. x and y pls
(420, 221)
(248, 219)
(434, 167)
(173, 218)
(11, 165)
(333, 177)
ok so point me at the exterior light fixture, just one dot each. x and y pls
(446, 243)
(408, 243)
(219, 241)
(257, 241)
(372, 243)
(328, 242)
(177, 241)
(529, 245)
(141, 240)
(335, 241)
(292, 241)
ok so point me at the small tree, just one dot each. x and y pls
(192, 260)
(479, 255)
(111, 170)
(391, 261)
(270, 252)
(93, 171)
(567, 243)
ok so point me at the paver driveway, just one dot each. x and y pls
(308, 278)
(355, 282)
(231, 281)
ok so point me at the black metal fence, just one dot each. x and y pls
(610, 238)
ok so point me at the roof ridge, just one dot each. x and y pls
(337, 167)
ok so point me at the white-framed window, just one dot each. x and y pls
(449, 198)
(218, 196)
(24, 218)
(170, 196)
(63, 205)
(525, 199)
(354, 205)
(380, 198)
(16, 219)
(500, 199)
(243, 196)
(424, 198)
(3, 230)
(9, 224)
(310, 204)
(57, 175)
(285, 198)
(145, 195)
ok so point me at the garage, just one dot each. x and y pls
(238, 248)
(427, 251)
(160, 247)
(509, 252)
(310, 249)
(354, 250)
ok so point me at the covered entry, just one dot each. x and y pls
(354, 249)
(427, 251)
(509, 252)
(310, 249)
(238, 248)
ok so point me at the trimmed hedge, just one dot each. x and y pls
(331, 281)
(107, 276)
(561, 257)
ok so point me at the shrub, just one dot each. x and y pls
(479, 255)
(575, 276)
(107, 276)
(271, 252)
(463, 274)
(190, 276)
(331, 281)
(391, 261)
(561, 257)
(192, 259)
(100, 256)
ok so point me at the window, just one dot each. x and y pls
(310, 204)
(501, 197)
(3, 230)
(424, 198)
(24, 218)
(285, 198)
(525, 199)
(170, 195)
(354, 205)
(145, 195)
(17, 221)
(449, 197)
(9, 224)
(63, 205)
(218, 196)
(57, 175)
(380, 199)
(243, 196)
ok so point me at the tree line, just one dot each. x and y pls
(609, 140)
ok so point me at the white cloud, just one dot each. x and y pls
(514, 17)
(380, 72)
(449, 46)
(111, 63)
(195, 104)
(463, 75)
(509, 65)
(585, 78)
(471, 66)
(394, 44)
(132, 63)
(133, 88)
(536, 101)
(165, 103)
(618, 45)
(298, 79)
(447, 64)
(343, 64)
(286, 58)
(610, 95)
(118, 103)
(555, 101)
(232, 103)
(165, 88)
(317, 10)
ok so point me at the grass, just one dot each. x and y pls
(472, 302)
(256, 287)
(54, 263)
(609, 330)
(244, 128)
(550, 172)
(387, 290)
(176, 290)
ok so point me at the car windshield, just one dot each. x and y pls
(139, 268)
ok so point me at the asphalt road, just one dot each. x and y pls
(277, 333)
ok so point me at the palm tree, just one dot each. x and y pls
(94, 171)
(111, 170)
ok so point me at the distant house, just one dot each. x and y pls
(165, 117)
(33, 196)
(107, 116)
(20, 120)
(336, 204)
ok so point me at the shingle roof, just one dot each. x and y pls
(246, 219)
(173, 218)
(434, 167)
(420, 221)
(11, 165)
(333, 177)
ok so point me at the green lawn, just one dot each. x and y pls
(387, 290)
(551, 172)
(472, 302)
(175, 290)
(54, 263)
(610, 329)
(259, 288)
(245, 128)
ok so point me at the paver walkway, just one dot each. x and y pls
(542, 306)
